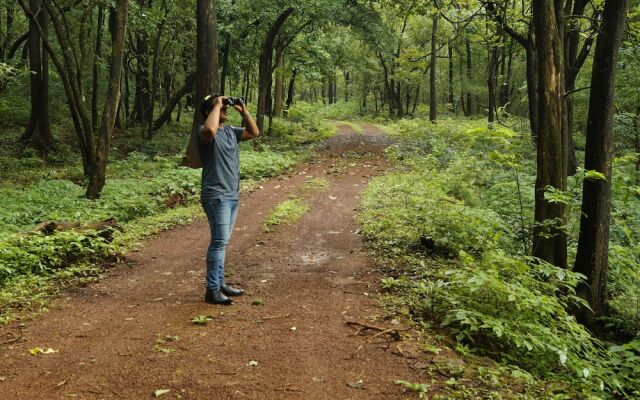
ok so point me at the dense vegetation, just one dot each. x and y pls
(469, 189)
(511, 218)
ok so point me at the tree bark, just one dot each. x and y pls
(347, 86)
(157, 52)
(142, 96)
(278, 96)
(550, 239)
(573, 64)
(450, 98)
(112, 98)
(593, 242)
(265, 70)
(532, 85)
(291, 89)
(207, 80)
(38, 131)
(491, 83)
(225, 63)
(8, 37)
(468, 108)
(96, 59)
(433, 113)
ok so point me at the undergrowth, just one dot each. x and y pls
(463, 194)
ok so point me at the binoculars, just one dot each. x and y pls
(230, 101)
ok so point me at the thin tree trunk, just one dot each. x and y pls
(491, 83)
(265, 71)
(450, 98)
(468, 109)
(96, 62)
(593, 243)
(278, 96)
(291, 89)
(112, 98)
(433, 114)
(347, 86)
(38, 132)
(225, 63)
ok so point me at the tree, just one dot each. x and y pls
(94, 150)
(103, 143)
(207, 80)
(265, 67)
(549, 237)
(593, 242)
(38, 132)
(433, 116)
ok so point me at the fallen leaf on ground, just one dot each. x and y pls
(160, 392)
(252, 363)
(359, 384)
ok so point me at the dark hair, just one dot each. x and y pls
(207, 104)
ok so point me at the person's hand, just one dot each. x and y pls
(241, 107)
(218, 101)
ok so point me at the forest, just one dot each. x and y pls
(507, 218)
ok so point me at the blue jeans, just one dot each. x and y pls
(221, 214)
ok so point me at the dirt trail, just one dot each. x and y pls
(131, 333)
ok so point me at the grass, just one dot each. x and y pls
(286, 212)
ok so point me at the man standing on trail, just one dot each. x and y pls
(218, 148)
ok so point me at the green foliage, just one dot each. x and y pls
(284, 213)
(420, 388)
(304, 125)
(471, 190)
(201, 320)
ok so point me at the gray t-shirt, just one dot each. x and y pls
(220, 163)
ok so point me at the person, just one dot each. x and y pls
(218, 149)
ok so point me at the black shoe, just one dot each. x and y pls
(231, 291)
(216, 297)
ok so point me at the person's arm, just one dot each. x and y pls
(212, 122)
(250, 128)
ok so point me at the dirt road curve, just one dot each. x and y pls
(131, 334)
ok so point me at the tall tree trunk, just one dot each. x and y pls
(335, 88)
(225, 63)
(157, 52)
(278, 96)
(265, 71)
(532, 85)
(292, 86)
(112, 98)
(550, 240)
(573, 64)
(505, 71)
(347, 86)
(433, 114)
(450, 98)
(468, 109)
(38, 131)
(206, 55)
(593, 243)
(9, 29)
(96, 62)
(491, 83)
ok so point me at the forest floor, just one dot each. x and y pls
(292, 335)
